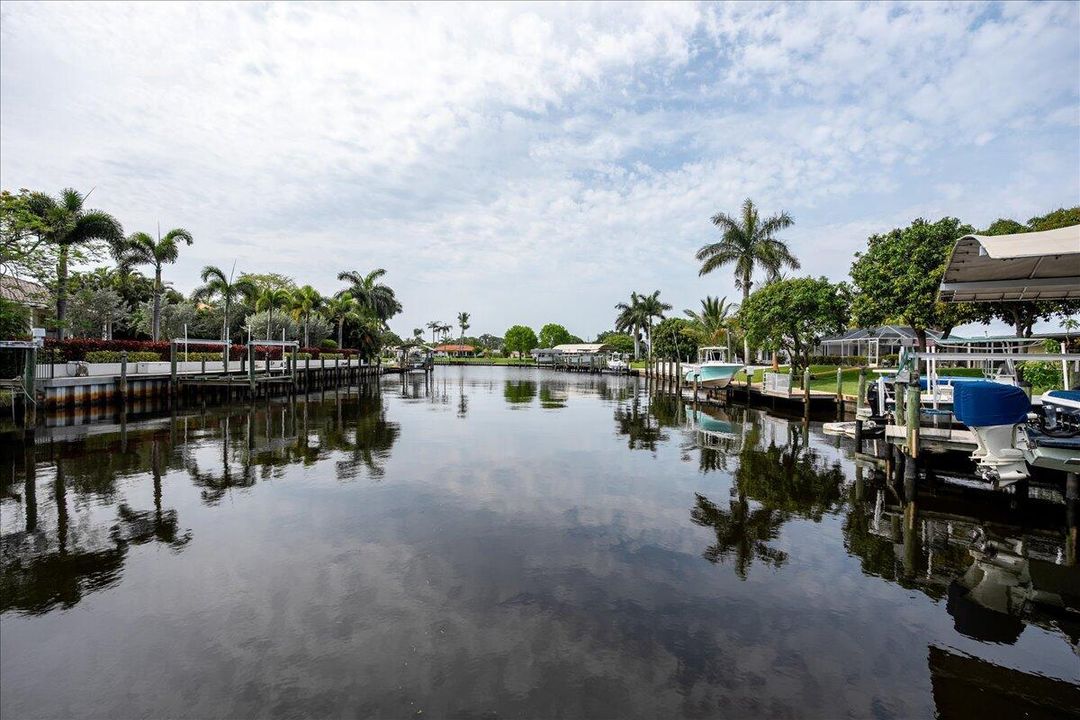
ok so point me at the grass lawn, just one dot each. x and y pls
(485, 361)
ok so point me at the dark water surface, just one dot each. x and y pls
(515, 543)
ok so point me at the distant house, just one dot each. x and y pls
(450, 350)
(582, 348)
(28, 294)
(871, 343)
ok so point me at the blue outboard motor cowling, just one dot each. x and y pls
(982, 404)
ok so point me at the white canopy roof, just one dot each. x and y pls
(1025, 266)
(580, 348)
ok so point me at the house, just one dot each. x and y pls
(450, 350)
(871, 343)
(28, 294)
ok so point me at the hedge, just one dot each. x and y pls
(113, 356)
(77, 349)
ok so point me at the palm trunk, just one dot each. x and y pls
(746, 340)
(157, 306)
(306, 343)
(340, 332)
(61, 293)
(269, 318)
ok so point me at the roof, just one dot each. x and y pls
(454, 348)
(23, 292)
(882, 331)
(581, 348)
(1025, 266)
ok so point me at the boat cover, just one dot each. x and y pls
(982, 404)
(1071, 398)
(1038, 438)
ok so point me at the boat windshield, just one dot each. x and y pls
(712, 354)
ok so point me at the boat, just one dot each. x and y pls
(618, 362)
(1012, 436)
(713, 371)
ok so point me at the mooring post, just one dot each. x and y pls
(858, 434)
(123, 389)
(806, 388)
(839, 388)
(30, 391)
(251, 368)
(202, 365)
(295, 357)
(172, 367)
(860, 399)
(913, 420)
(898, 410)
(697, 378)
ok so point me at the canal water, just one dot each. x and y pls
(508, 542)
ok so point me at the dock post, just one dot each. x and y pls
(292, 365)
(1072, 510)
(678, 376)
(202, 366)
(858, 434)
(172, 367)
(806, 391)
(839, 389)
(322, 370)
(29, 391)
(123, 389)
(307, 371)
(862, 391)
(251, 369)
(913, 420)
(898, 410)
(697, 377)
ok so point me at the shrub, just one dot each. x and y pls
(849, 361)
(328, 344)
(200, 356)
(333, 356)
(1041, 374)
(113, 356)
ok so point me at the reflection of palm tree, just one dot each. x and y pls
(518, 392)
(741, 533)
(161, 525)
(641, 432)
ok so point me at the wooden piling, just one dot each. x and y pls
(862, 392)
(123, 386)
(839, 389)
(30, 390)
(913, 420)
(806, 391)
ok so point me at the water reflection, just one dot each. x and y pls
(519, 392)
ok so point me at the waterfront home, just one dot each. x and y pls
(451, 350)
(28, 294)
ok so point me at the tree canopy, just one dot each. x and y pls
(898, 275)
(793, 315)
(553, 334)
(520, 338)
(673, 339)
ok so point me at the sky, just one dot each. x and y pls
(537, 163)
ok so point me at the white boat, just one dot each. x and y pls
(713, 370)
(618, 362)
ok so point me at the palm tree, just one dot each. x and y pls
(141, 249)
(750, 243)
(652, 309)
(340, 308)
(631, 319)
(217, 284)
(66, 224)
(305, 301)
(418, 334)
(270, 298)
(444, 330)
(372, 295)
(711, 324)
(463, 322)
(433, 326)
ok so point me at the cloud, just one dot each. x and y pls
(534, 163)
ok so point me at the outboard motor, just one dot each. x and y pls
(992, 412)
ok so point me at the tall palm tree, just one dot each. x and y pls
(444, 330)
(433, 326)
(216, 284)
(341, 308)
(269, 299)
(750, 244)
(418, 334)
(652, 308)
(374, 296)
(305, 301)
(66, 224)
(463, 323)
(710, 325)
(141, 249)
(632, 320)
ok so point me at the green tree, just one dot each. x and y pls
(553, 334)
(521, 339)
(463, 323)
(95, 311)
(23, 249)
(375, 297)
(710, 325)
(619, 342)
(216, 284)
(750, 244)
(793, 315)
(652, 308)
(898, 275)
(675, 340)
(142, 249)
(341, 309)
(268, 300)
(306, 301)
(434, 327)
(67, 226)
(631, 319)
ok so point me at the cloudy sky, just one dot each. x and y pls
(536, 163)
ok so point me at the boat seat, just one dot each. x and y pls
(1037, 438)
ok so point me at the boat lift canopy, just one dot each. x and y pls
(1025, 266)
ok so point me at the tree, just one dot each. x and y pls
(216, 284)
(521, 339)
(341, 308)
(710, 325)
(652, 308)
(793, 315)
(66, 225)
(750, 244)
(95, 311)
(489, 342)
(631, 319)
(268, 300)
(898, 275)
(418, 334)
(619, 342)
(378, 299)
(675, 340)
(463, 323)
(552, 335)
(305, 302)
(434, 326)
(23, 249)
(142, 249)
